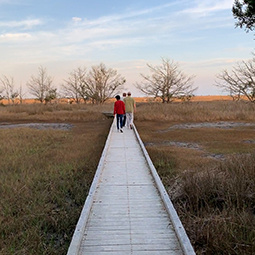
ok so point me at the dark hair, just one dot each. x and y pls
(117, 97)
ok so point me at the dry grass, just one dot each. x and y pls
(45, 174)
(197, 111)
(214, 198)
(218, 207)
(44, 178)
(54, 112)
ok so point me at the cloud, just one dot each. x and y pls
(160, 27)
(76, 19)
(25, 24)
(129, 25)
(15, 36)
(204, 8)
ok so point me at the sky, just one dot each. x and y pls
(62, 35)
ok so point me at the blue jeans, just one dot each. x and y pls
(119, 121)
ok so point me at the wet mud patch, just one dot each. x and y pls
(220, 124)
(40, 126)
(224, 125)
(193, 146)
(178, 144)
(249, 141)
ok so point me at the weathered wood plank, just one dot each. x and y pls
(127, 213)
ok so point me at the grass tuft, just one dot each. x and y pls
(222, 202)
(215, 199)
(45, 176)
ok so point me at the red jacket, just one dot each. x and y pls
(119, 107)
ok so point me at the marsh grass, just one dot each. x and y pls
(218, 206)
(196, 111)
(45, 174)
(215, 199)
(44, 178)
(54, 112)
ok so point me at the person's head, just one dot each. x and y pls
(124, 94)
(117, 97)
(129, 93)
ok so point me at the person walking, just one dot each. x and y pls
(119, 110)
(130, 107)
(124, 115)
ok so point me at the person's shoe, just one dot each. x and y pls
(121, 130)
(131, 127)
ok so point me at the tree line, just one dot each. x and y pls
(95, 85)
(100, 83)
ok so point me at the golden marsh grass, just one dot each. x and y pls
(208, 170)
(44, 178)
(45, 174)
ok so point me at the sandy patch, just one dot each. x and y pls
(220, 124)
(41, 126)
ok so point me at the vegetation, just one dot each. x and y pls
(98, 85)
(41, 86)
(244, 12)
(210, 176)
(44, 178)
(43, 187)
(7, 86)
(167, 82)
(102, 83)
(240, 82)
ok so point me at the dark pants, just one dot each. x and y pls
(124, 120)
(119, 121)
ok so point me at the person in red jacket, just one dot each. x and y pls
(119, 109)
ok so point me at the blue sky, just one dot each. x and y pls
(62, 35)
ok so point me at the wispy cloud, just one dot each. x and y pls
(208, 7)
(15, 36)
(129, 25)
(130, 14)
(76, 19)
(24, 24)
(158, 25)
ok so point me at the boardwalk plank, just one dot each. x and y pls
(127, 214)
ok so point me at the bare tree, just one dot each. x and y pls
(21, 94)
(102, 83)
(40, 85)
(8, 89)
(1, 94)
(166, 82)
(241, 81)
(75, 85)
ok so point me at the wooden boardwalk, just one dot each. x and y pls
(128, 210)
